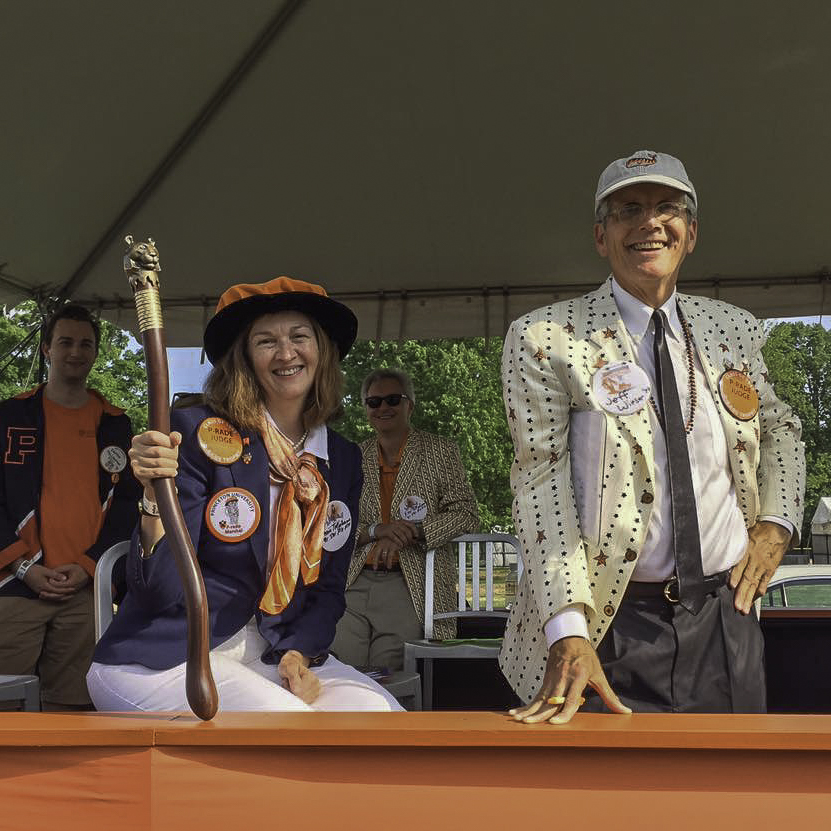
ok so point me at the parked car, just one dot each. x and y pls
(799, 587)
(796, 624)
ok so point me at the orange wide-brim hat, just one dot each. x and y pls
(243, 303)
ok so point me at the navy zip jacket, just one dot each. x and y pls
(22, 440)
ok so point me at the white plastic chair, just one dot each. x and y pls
(474, 546)
(103, 586)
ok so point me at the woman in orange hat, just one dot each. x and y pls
(270, 496)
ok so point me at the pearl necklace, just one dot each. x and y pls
(295, 445)
(688, 343)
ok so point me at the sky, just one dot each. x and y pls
(186, 372)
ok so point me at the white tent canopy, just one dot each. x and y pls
(821, 520)
(431, 162)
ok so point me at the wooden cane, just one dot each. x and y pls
(141, 264)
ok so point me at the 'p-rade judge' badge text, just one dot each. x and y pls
(738, 394)
(220, 441)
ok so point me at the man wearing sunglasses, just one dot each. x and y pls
(657, 479)
(415, 496)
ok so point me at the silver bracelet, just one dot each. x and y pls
(21, 570)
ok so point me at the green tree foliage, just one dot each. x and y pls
(798, 357)
(459, 395)
(19, 338)
(118, 373)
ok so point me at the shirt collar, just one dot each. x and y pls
(637, 316)
(317, 442)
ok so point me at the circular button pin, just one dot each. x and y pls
(220, 441)
(738, 395)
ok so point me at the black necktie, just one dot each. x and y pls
(687, 543)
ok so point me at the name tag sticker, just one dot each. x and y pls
(413, 508)
(113, 459)
(219, 440)
(738, 394)
(338, 525)
(233, 515)
(621, 388)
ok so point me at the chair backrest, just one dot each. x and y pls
(473, 547)
(103, 586)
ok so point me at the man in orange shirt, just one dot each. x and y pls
(66, 494)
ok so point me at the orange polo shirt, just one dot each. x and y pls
(387, 474)
(70, 511)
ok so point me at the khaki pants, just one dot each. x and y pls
(379, 617)
(51, 639)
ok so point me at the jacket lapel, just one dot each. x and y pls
(407, 472)
(714, 361)
(250, 476)
(370, 494)
(606, 331)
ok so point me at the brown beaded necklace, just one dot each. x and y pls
(688, 350)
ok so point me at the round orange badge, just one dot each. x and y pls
(219, 440)
(738, 394)
(233, 514)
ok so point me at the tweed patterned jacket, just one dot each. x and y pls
(431, 469)
(549, 358)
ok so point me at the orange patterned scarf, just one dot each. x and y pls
(298, 519)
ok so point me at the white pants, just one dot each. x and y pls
(243, 682)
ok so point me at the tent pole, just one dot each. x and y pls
(190, 134)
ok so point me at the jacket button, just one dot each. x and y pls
(647, 497)
(609, 610)
(630, 555)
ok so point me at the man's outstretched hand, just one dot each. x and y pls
(572, 664)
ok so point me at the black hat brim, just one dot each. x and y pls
(337, 320)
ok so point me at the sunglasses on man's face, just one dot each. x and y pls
(393, 399)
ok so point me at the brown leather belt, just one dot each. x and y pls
(668, 589)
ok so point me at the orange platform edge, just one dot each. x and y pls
(412, 770)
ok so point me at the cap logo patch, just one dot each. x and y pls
(642, 161)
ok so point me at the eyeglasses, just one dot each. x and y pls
(632, 213)
(393, 399)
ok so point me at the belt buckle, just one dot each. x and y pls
(668, 589)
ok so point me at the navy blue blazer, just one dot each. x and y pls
(151, 625)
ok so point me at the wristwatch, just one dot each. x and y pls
(371, 530)
(147, 507)
(20, 571)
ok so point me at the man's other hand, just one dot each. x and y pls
(49, 583)
(750, 576)
(75, 575)
(400, 531)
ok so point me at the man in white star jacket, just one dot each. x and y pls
(597, 606)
